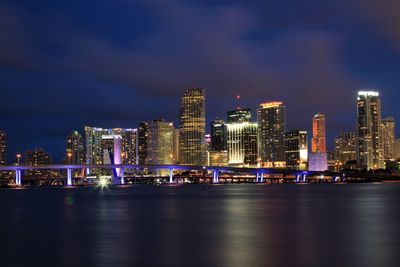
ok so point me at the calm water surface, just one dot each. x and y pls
(223, 225)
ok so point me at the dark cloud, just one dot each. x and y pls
(127, 61)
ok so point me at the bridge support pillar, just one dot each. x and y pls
(18, 180)
(297, 178)
(69, 177)
(122, 174)
(215, 177)
(257, 176)
(261, 177)
(171, 175)
(304, 178)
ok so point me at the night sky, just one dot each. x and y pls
(113, 63)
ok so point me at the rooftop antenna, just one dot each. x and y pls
(238, 102)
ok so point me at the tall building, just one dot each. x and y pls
(192, 127)
(369, 147)
(176, 146)
(397, 149)
(271, 118)
(345, 147)
(3, 148)
(296, 143)
(75, 150)
(241, 138)
(388, 137)
(218, 136)
(142, 143)
(129, 146)
(37, 157)
(160, 142)
(242, 143)
(319, 134)
(318, 159)
(106, 146)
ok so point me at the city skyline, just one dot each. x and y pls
(240, 114)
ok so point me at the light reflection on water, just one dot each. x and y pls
(230, 225)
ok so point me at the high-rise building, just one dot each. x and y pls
(218, 136)
(75, 150)
(218, 158)
(345, 147)
(242, 143)
(106, 146)
(271, 118)
(397, 149)
(37, 157)
(176, 146)
(241, 138)
(142, 143)
(369, 147)
(160, 142)
(296, 143)
(388, 138)
(192, 127)
(129, 146)
(318, 159)
(319, 134)
(3, 148)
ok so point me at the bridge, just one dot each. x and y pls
(258, 175)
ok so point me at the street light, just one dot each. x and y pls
(69, 154)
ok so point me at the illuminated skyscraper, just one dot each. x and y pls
(129, 146)
(242, 143)
(192, 127)
(345, 148)
(319, 134)
(271, 118)
(318, 159)
(160, 141)
(369, 147)
(142, 143)
(241, 138)
(397, 149)
(3, 148)
(176, 146)
(37, 157)
(218, 135)
(297, 150)
(388, 138)
(105, 146)
(75, 150)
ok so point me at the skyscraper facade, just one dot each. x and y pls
(319, 134)
(105, 146)
(239, 115)
(388, 137)
(37, 157)
(296, 143)
(218, 136)
(192, 127)
(242, 143)
(176, 146)
(142, 143)
(75, 150)
(3, 148)
(318, 159)
(271, 118)
(369, 147)
(345, 147)
(160, 141)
